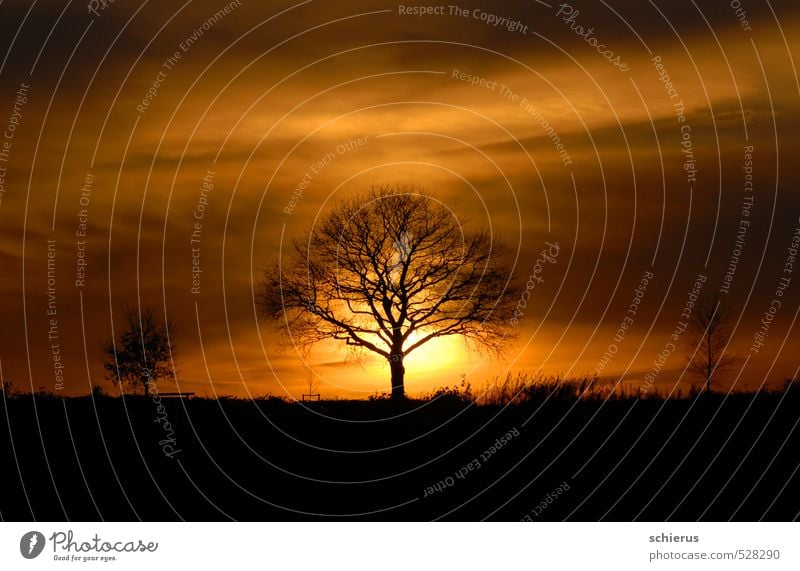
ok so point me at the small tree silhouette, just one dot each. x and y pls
(144, 353)
(388, 272)
(707, 337)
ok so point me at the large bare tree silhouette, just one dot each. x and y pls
(387, 272)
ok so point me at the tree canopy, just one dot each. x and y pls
(389, 271)
(144, 352)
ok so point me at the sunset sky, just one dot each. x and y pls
(628, 132)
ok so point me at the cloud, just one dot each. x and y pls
(269, 91)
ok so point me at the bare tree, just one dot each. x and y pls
(707, 337)
(388, 272)
(144, 352)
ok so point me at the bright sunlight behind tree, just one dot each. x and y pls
(387, 272)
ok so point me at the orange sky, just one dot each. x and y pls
(114, 123)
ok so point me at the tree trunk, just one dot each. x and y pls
(398, 376)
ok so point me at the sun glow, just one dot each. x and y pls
(433, 364)
(437, 363)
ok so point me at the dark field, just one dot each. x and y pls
(701, 458)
